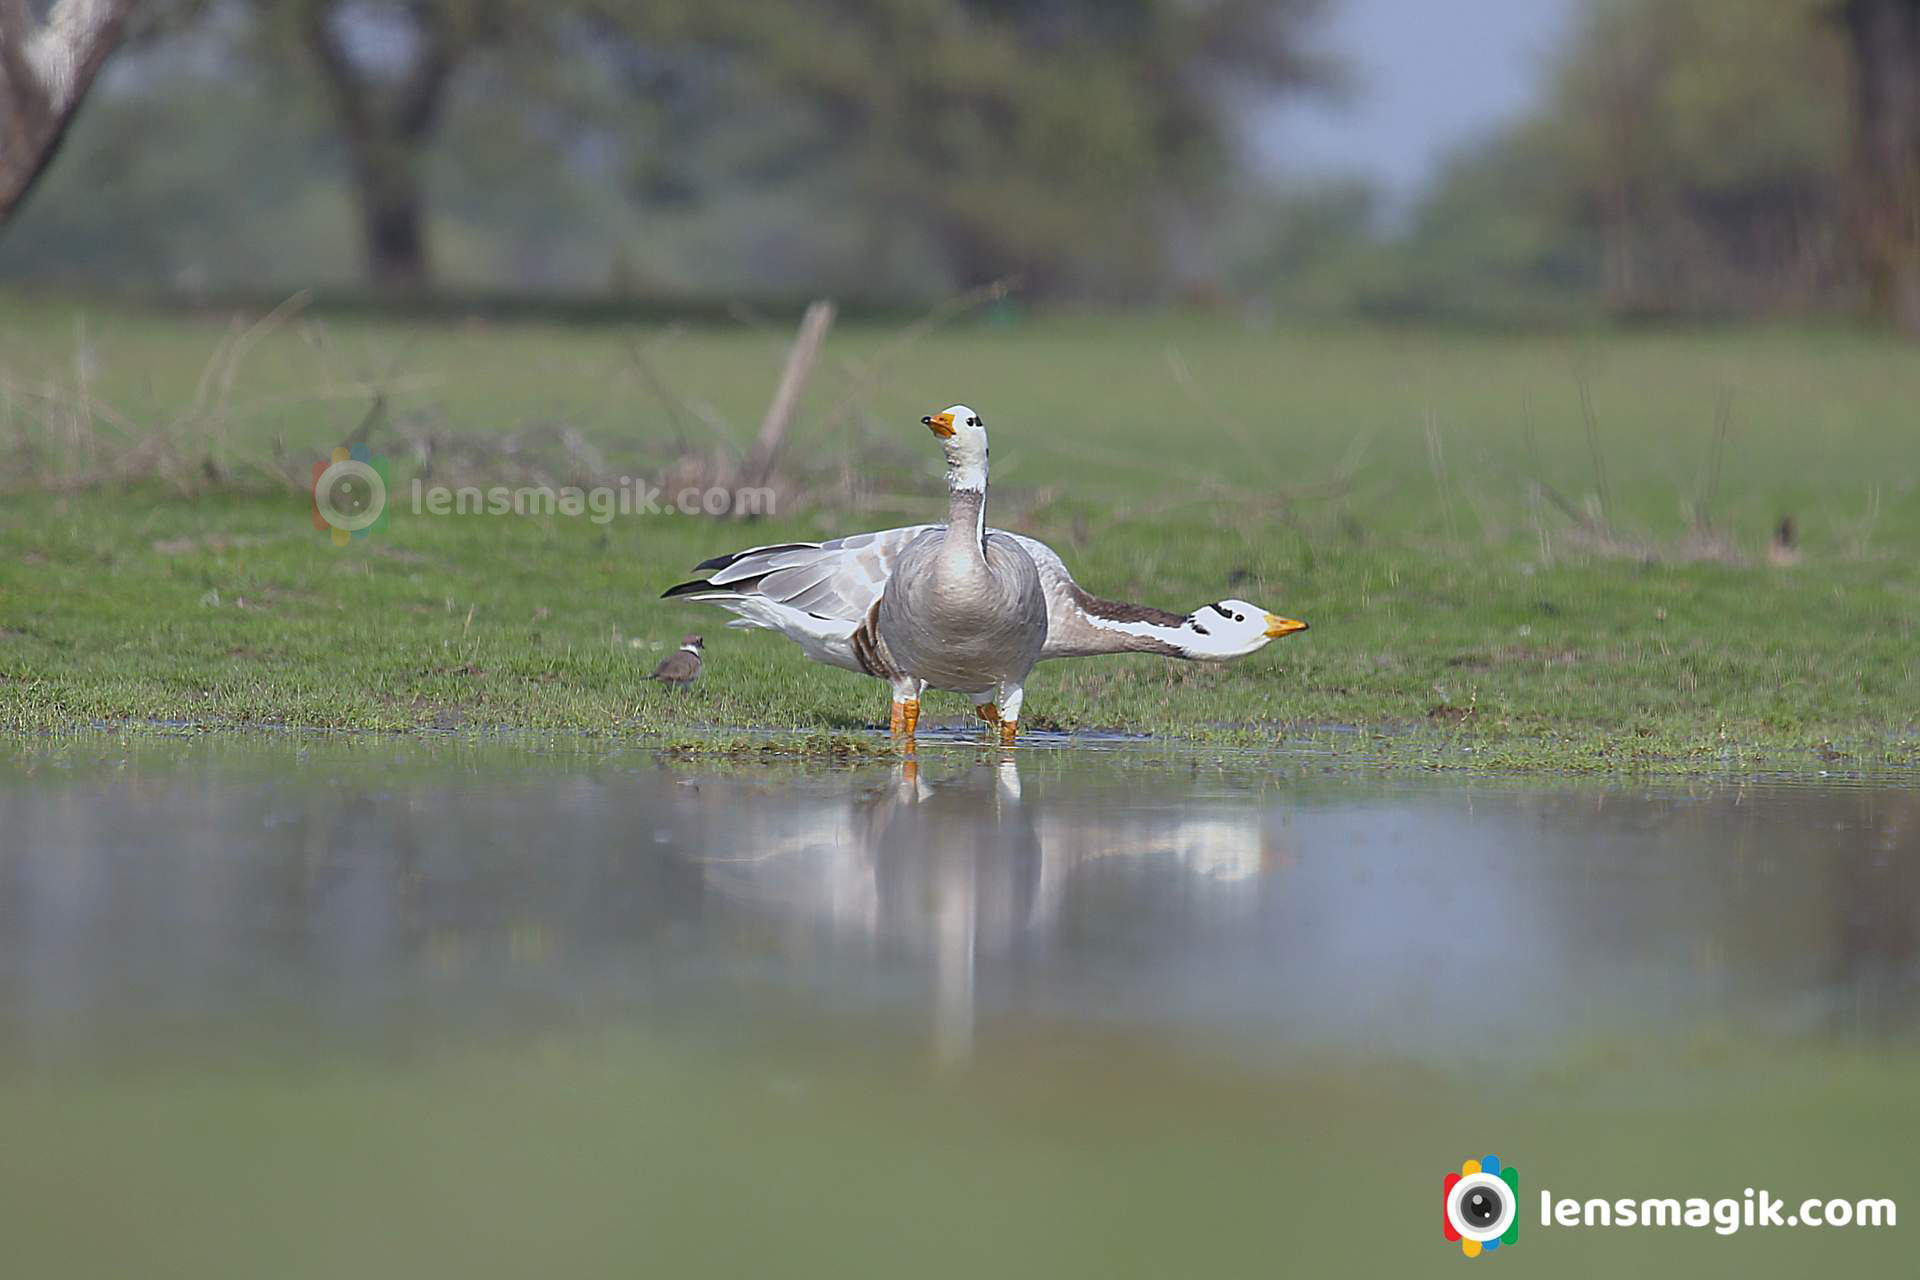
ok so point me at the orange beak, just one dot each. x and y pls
(941, 424)
(1278, 626)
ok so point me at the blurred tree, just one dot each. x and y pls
(1690, 157)
(1705, 142)
(1047, 138)
(385, 66)
(48, 60)
(877, 148)
(386, 79)
(1320, 244)
(1884, 39)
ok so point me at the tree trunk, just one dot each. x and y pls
(392, 213)
(1884, 39)
(387, 121)
(46, 69)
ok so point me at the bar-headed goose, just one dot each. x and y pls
(963, 608)
(823, 596)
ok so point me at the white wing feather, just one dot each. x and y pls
(816, 593)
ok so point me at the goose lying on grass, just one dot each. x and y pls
(829, 597)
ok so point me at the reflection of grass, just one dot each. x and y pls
(1059, 1153)
(1428, 501)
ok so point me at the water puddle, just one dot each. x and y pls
(1118, 1012)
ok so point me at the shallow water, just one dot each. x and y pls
(319, 1005)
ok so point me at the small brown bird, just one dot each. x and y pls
(681, 667)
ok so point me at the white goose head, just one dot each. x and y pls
(1232, 629)
(964, 435)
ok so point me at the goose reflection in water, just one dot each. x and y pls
(1316, 913)
(935, 871)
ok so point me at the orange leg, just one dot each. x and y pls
(1007, 730)
(910, 713)
(898, 723)
(987, 711)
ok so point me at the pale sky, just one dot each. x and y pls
(1428, 75)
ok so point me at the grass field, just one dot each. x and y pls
(1514, 550)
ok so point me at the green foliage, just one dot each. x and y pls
(1689, 158)
(1050, 140)
(197, 185)
(1319, 245)
(877, 148)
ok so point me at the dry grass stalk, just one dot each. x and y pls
(786, 396)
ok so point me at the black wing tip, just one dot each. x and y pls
(725, 561)
(685, 589)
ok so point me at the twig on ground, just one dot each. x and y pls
(640, 353)
(786, 395)
(1710, 484)
(1437, 463)
(1591, 419)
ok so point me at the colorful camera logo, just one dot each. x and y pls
(350, 494)
(1481, 1205)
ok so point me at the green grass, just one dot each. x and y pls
(1490, 580)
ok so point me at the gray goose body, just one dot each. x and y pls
(962, 611)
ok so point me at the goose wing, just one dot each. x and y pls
(840, 579)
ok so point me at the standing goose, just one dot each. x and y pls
(821, 595)
(963, 608)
